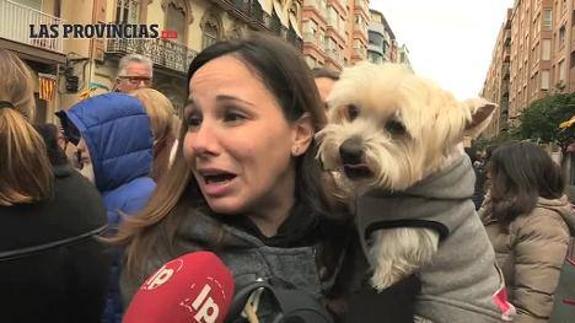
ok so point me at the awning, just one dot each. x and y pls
(294, 24)
(281, 13)
(266, 6)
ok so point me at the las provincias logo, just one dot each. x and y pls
(99, 31)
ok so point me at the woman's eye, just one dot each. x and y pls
(351, 112)
(233, 117)
(194, 121)
(395, 127)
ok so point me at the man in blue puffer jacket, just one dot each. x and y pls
(116, 131)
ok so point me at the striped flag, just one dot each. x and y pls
(47, 86)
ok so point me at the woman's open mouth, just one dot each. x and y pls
(216, 182)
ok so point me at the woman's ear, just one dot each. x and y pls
(302, 134)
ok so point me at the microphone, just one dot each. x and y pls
(194, 288)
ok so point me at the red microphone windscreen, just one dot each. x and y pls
(196, 287)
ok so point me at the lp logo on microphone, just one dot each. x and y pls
(206, 308)
(163, 275)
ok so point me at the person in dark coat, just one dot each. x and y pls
(52, 265)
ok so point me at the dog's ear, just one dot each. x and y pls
(481, 113)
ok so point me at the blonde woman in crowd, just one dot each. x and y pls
(52, 267)
(162, 117)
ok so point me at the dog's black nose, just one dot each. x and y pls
(351, 151)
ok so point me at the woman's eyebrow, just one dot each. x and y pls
(232, 98)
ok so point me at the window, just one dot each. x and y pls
(211, 29)
(309, 30)
(562, 71)
(210, 35)
(547, 19)
(176, 21)
(332, 17)
(375, 39)
(545, 80)
(546, 50)
(562, 36)
(128, 12)
(375, 58)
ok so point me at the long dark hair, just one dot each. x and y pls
(283, 71)
(520, 172)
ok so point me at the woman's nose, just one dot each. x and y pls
(204, 140)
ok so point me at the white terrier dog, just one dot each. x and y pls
(397, 141)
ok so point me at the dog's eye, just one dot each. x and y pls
(351, 112)
(395, 127)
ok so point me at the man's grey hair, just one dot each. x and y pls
(135, 58)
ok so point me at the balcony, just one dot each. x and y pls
(375, 48)
(251, 13)
(15, 26)
(163, 52)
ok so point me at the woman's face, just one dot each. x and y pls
(239, 145)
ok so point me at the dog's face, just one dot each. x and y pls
(389, 128)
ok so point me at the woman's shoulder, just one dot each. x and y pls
(75, 209)
(541, 223)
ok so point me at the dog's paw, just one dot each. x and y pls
(397, 253)
(383, 278)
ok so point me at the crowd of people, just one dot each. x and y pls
(91, 207)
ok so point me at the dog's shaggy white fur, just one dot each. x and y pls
(408, 129)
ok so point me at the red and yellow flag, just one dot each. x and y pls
(47, 86)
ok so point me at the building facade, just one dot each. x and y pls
(82, 65)
(357, 28)
(403, 56)
(46, 57)
(496, 87)
(382, 45)
(541, 60)
(324, 33)
(334, 32)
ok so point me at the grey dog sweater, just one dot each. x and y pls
(460, 283)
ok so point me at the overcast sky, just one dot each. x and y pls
(450, 41)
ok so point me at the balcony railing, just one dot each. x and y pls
(251, 12)
(15, 21)
(163, 52)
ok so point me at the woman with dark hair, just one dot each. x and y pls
(245, 183)
(529, 222)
